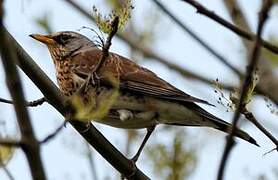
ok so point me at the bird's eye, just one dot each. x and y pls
(62, 39)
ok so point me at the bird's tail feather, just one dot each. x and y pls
(221, 125)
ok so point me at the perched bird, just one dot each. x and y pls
(144, 100)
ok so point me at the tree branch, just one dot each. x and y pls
(30, 145)
(105, 48)
(250, 70)
(12, 143)
(53, 134)
(242, 33)
(248, 115)
(57, 100)
(29, 104)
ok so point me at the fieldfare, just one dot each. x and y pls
(144, 100)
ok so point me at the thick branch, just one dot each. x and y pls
(242, 33)
(250, 70)
(57, 100)
(30, 145)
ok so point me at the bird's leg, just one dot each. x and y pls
(95, 79)
(149, 132)
(92, 78)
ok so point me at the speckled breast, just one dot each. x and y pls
(65, 78)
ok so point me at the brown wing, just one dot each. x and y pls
(133, 78)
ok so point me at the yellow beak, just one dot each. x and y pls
(46, 39)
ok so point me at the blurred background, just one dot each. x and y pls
(172, 152)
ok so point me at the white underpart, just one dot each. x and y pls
(125, 114)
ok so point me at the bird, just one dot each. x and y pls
(144, 100)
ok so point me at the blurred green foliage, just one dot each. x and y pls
(173, 162)
(44, 23)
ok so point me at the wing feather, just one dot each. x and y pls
(133, 77)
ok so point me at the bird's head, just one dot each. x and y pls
(65, 43)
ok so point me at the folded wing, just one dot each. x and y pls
(133, 78)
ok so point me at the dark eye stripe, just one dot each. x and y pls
(62, 39)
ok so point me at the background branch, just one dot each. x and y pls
(241, 32)
(29, 143)
(30, 104)
(268, 80)
(244, 90)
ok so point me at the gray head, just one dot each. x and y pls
(65, 43)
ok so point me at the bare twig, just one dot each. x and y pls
(198, 39)
(8, 142)
(53, 134)
(248, 115)
(242, 33)
(250, 69)
(105, 48)
(57, 100)
(104, 55)
(8, 173)
(91, 162)
(30, 145)
(29, 104)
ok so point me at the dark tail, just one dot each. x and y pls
(220, 124)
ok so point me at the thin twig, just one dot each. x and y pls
(12, 143)
(242, 33)
(105, 49)
(198, 39)
(248, 115)
(91, 162)
(250, 69)
(30, 144)
(8, 173)
(29, 104)
(53, 134)
(104, 55)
